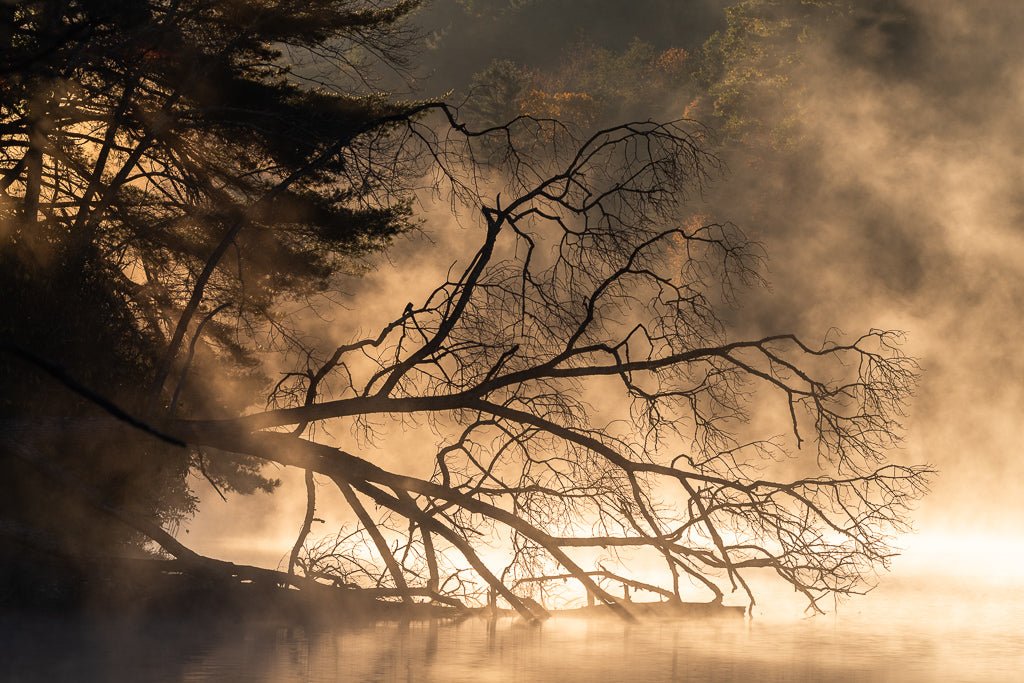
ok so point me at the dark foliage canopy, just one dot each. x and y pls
(168, 163)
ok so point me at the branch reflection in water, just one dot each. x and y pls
(908, 630)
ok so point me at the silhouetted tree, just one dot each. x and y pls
(171, 172)
(589, 405)
(589, 408)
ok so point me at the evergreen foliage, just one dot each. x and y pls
(143, 143)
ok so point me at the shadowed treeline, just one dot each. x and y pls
(537, 34)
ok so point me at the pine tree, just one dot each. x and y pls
(171, 171)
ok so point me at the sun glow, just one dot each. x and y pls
(985, 558)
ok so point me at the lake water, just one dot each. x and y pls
(908, 632)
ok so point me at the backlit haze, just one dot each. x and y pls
(899, 205)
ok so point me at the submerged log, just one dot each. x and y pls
(665, 609)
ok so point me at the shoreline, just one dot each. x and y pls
(160, 589)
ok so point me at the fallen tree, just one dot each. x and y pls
(587, 400)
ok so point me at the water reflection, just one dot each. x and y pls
(910, 633)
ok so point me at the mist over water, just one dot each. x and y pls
(900, 208)
(907, 631)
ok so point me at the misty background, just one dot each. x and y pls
(889, 195)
